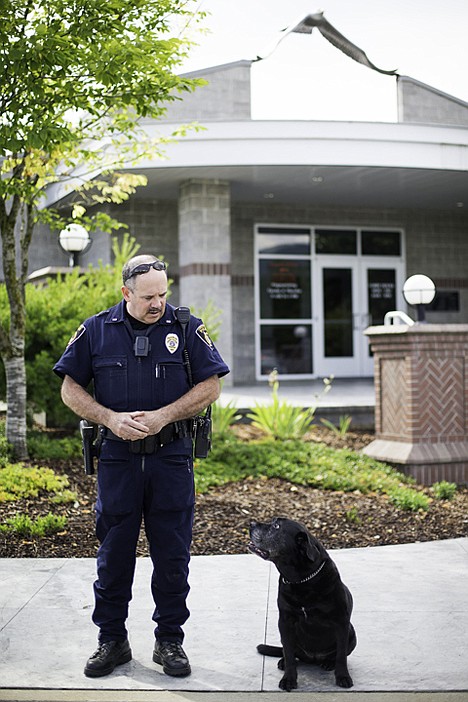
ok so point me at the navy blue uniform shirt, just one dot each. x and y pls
(102, 350)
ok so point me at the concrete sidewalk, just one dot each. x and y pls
(351, 396)
(410, 614)
(343, 393)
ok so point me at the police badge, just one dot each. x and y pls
(172, 343)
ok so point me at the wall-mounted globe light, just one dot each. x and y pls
(74, 240)
(419, 290)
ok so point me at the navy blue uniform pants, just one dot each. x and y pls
(157, 488)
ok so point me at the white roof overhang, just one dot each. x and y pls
(316, 163)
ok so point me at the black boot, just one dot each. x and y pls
(172, 657)
(107, 655)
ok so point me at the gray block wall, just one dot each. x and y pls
(225, 95)
(421, 103)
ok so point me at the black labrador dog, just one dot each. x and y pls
(314, 604)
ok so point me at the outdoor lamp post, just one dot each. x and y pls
(74, 240)
(419, 290)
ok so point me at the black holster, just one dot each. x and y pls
(88, 433)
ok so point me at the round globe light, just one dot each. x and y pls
(74, 238)
(419, 290)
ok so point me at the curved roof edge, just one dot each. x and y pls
(259, 142)
(299, 143)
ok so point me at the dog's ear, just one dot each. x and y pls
(306, 545)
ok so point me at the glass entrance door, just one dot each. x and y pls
(337, 307)
(350, 297)
(383, 292)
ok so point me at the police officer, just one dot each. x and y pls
(143, 401)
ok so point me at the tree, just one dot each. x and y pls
(76, 77)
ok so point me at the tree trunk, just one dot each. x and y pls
(15, 371)
(12, 339)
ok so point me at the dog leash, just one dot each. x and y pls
(309, 577)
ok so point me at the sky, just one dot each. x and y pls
(307, 78)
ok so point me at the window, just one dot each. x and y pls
(285, 289)
(380, 243)
(282, 240)
(445, 301)
(286, 347)
(336, 241)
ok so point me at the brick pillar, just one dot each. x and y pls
(205, 253)
(421, 410)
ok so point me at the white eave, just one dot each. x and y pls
(253, 143)
(320, 143)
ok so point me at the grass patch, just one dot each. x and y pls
(405, 498)
(444, 490)
(23, 525)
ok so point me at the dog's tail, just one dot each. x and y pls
(266, 650)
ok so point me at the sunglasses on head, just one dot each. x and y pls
(144, 268)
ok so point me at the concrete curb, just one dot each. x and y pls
(217, 696)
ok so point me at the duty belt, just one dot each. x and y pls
(151, 443)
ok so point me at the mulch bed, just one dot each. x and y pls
(338, 519)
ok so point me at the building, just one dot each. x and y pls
(302, 232)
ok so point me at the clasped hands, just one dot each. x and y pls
(132, 426)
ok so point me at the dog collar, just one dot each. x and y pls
(309, 577)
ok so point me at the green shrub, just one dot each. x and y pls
(343, 425)
(444, 490)
(54, 312)
(223, 418)
(211, 316)
(23, 525)
(5, 449)
(280, 420)
(304, 463)
(405, 498)
(64, 497)
(18, 481)
(352, 516)
(43, 446)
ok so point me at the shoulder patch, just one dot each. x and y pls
(79, 332)
(203, 335)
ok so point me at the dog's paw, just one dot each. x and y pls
(281, 664)
(328, 665)
(344, 681)
(288, 683)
